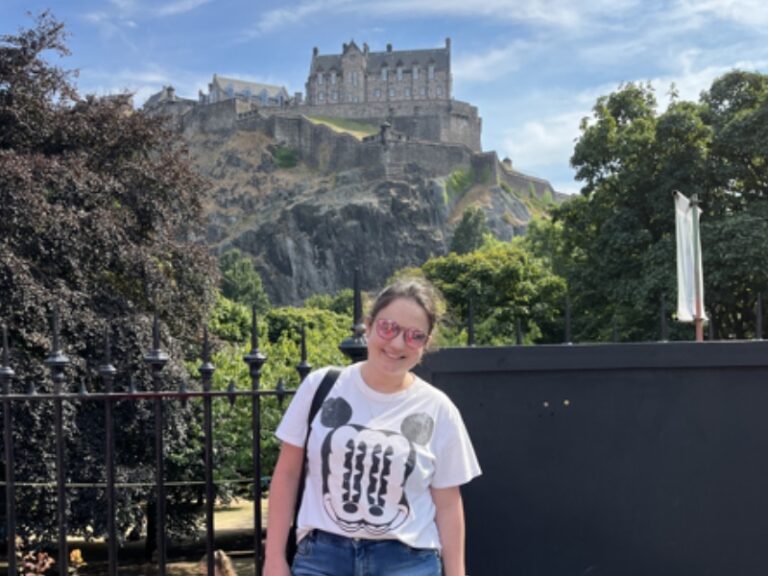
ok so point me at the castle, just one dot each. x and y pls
(409, 90)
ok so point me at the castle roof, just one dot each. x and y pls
(439, 57)
(255, 88)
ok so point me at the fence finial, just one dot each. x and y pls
(303, 367)
(355, 347)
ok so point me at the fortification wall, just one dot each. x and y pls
(217, 117)
(328, 151)
(450, 121)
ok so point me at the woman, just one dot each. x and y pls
(386, 456)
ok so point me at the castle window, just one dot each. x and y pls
(415, 72)
(334, 96)
(320, 78)
(391, 92)
(407, 93)
(384, 72)
(353, 75)
(321, 97)
(439, 91)
(333, 77)
(377, 93)
(399, 72)
(422, 91)
(431, 72)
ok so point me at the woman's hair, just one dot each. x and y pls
(418, 290)
(221, 563)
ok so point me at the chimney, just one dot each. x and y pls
(344, 48)
(448, 44)
(365, 48)
(389, 47)
(314, 51)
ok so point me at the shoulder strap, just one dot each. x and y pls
(317, 401)
(320, 395)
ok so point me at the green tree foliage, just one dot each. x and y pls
(470, 231)
(619, 235)
(505, 283)
(240, 281)
(96, 203)
(342, 302)
(280, 342)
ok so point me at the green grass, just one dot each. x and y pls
(357, 129)
(286, 157)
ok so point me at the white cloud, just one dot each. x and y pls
(557, 13)
(179, 7)
(543, 142)
(490, 65)
(751, 13)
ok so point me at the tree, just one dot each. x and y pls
(470, 231)
(241, 282)
(619, 235)
(97, 204)
(506, 284)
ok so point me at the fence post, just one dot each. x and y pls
(568, 339)
(57, 361)
(470, 323)
(157, 360)
(6, 373)
(255, 361)
(759, 316)
(355, 347)
(518, 331)
(107, 372)
(206, 371)
(663, 319)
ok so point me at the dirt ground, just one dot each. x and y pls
(233, 525)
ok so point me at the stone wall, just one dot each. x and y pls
(329, 151)
(450, 121)
(217, 117)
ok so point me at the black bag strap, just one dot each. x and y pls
(317, 401)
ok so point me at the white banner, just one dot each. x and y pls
(686, 258)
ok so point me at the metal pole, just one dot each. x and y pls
(57, 362)
(470, 323)
(255, 361)
(759, 316)
(107, 372)
(157, 359)
(206, 370)
(663, 320)
(699, 316)
(6, 373)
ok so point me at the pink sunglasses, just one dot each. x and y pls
(389, 329)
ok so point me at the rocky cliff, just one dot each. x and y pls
(309, 203)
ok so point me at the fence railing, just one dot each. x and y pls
(156, 359)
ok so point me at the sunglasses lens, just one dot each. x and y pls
(387, 329)
(415, 338)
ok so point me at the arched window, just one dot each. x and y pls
(415, 71)
(384, 72)
(399, 72)
(320, 78)
(333, 76)
(431, 72)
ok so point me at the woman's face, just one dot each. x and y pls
(397, 344)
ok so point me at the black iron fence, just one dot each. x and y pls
(156, 359)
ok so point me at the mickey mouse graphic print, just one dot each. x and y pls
(372, 458)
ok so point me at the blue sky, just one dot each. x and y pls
(534, 68)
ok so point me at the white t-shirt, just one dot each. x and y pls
(373, 458)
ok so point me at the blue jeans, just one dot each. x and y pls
(322, 554)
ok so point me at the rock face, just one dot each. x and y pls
(309, 205)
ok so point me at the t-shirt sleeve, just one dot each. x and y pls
(455, 459)
(293, 426)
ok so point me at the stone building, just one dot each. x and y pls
(264, 95)
(362, 76)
